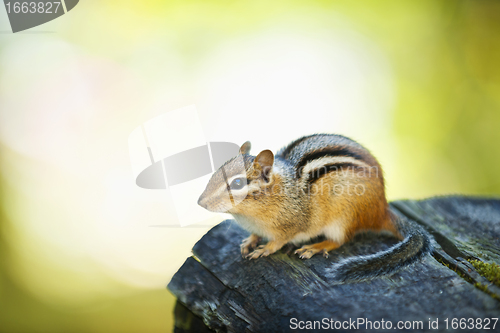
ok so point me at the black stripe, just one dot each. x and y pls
(323, 170)
(330, 152)
(285, 151)
(228, 187)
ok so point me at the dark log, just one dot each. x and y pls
(227, 293)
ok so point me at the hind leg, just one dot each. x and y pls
(307, 251)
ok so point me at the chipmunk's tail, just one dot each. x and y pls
(415, 245)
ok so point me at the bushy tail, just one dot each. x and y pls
(416, 244)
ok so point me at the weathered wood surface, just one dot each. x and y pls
(231, 294)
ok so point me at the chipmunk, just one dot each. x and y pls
(319, 185)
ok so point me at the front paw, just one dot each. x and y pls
(265, 250)
(261, 251)
(249, 244)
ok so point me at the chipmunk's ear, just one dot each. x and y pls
(245, 148)
(264, 162)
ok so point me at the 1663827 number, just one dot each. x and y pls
(471, 323)
(33, 7)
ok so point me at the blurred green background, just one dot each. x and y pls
(417, 82)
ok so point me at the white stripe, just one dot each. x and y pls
(321, 162)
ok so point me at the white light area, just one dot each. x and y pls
(185, 197)
(88, 234)
(166, 134)
(64, 107)
(275, 86)
(174, 131)
(34, 115)
(67, 116)
(138, 151)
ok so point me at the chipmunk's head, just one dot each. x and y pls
(231, 187)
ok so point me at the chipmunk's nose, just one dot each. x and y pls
(202, 202)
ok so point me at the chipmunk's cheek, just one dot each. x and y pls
(224, 207)
(239, 196)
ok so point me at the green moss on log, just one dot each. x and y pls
(489, 271)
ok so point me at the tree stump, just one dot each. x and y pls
(218, 290)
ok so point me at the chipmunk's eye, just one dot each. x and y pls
(238, 183)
